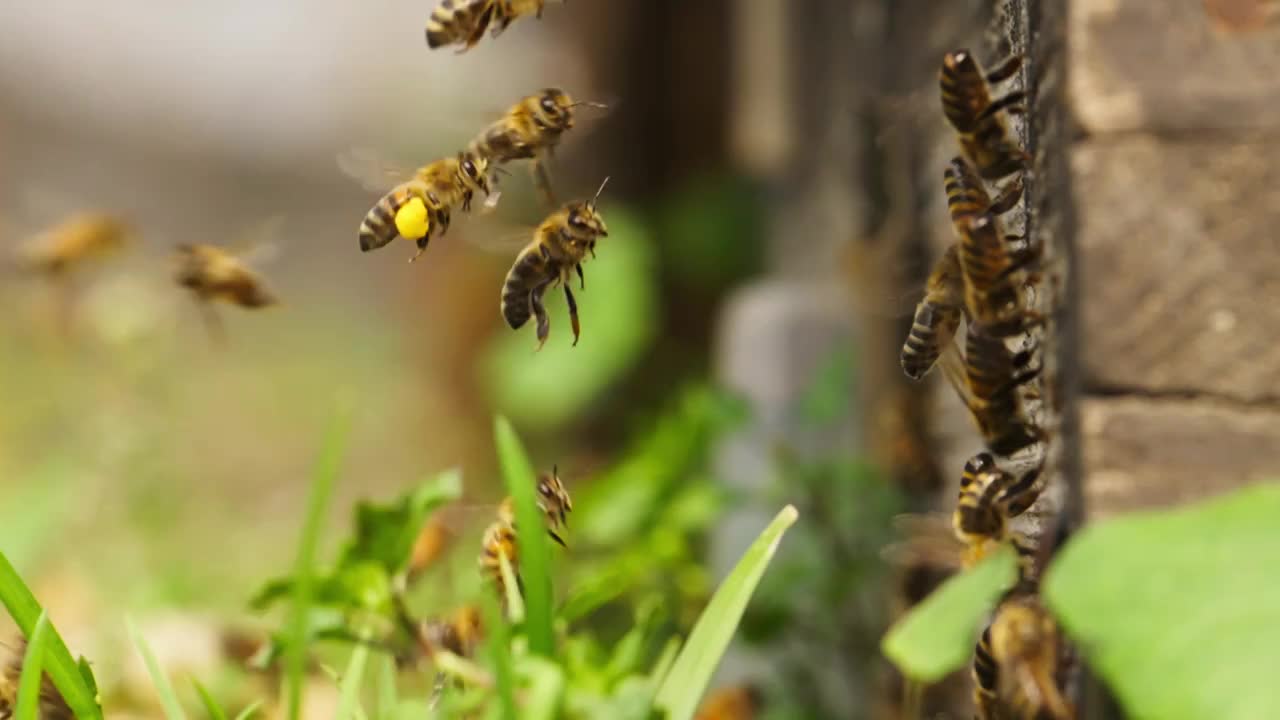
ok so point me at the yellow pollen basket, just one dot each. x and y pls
(411, 219)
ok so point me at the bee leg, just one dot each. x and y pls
(582, 280)
(573, 312)
(1009, 197)
(1013, 103)
(1023, 493)
(422, 246)
(540, 313)
(482, 24)
(443, 218)
(1005, 70)
(542, 179)
(466, 201)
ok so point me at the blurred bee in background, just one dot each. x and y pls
(80, 238)
(214, 274)
(1023, 642)
(734, 702)
(988, 378)
(936, 318)
(460, 633)
(977, 119)
(419, 205)
(530, 130)
(500, 539)
(52, 705)
(560, 244)
(463, 22)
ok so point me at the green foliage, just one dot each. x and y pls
(211, 705)
(73, 680)
(1179, 610)
(687, 681)
(534, 563)
(28, 705)
(168, 697)
(937, 636)
(352, 679)
(711, 232)
(617, 309)
(304, 569)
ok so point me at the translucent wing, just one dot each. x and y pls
(953, 369)
(372, 170)
(508, 240)
(259, 244)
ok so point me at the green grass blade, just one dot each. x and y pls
(497, 644)
(211, 705)
(322, 483)
(32, 670)
(164, 688)
(687, 680)
(937, 636)
(248, 712)
(511, 590)
(544, 689)
(62, 669)
(352, 681)
(388, 694)
(534, 561)
(1178, 610)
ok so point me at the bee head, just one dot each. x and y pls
(475, 171)
(982, 462)
(555, 108)
(958, 60)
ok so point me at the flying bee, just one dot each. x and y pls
(530, 130)
(80, 238)
(500, 539)
(989, 498)
(1025, 646)
(419, 205)
(463, 22)
(52, 706)
(735, 702)
(988, 379)
(981, 129)
(560, 244)
(212, 274)
(936, 318)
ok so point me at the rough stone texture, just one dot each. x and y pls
(1179, 257)
(1165, 66)
(1146, 453)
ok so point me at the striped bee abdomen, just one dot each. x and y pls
(379, 225)
(458, 21)
(528, 271)
(932, 327)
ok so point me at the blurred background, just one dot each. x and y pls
(774, 203)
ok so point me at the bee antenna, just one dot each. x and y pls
(591, 104)
(600, 190)
(555, 470)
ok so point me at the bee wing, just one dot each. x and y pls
(925, 537)
(372, 169)
(259, 244)
(511, 239)
(953, 369)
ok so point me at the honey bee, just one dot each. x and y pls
(463, 22)
(212, 273)
(419, 206)
(530, 130)
(1024, 643)
(989, 498)
(735, 702)
(459, 634)
(987, 379)
(559, 246)
(981, 129)
(992, 288)
(500, 537)
(966, 197)
(936, 318)
(82, 237)
(986, 679)
(52, 705)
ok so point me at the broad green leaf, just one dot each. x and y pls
(1179, 610)
(937, 636)
(534, 562)
(617, 310)
(352, 681)
(385, 533)
(325, 475)
(32, 670)
(68, 676)
(366, 585)
(684, 685)
(164, 688)
(211, 705)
